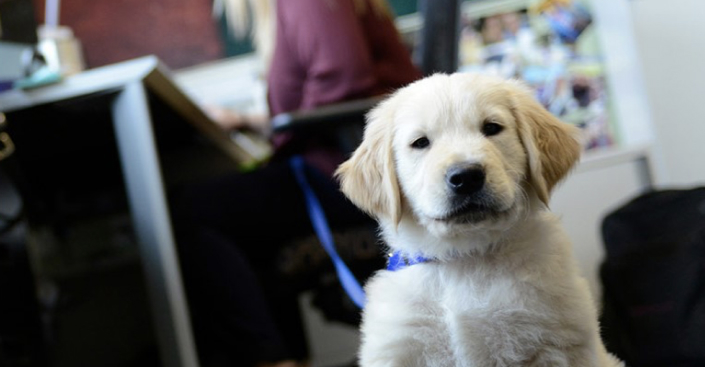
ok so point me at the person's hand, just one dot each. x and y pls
(226, 118)
(233, 120)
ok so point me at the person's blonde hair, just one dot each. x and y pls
(258, 17)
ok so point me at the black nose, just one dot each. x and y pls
(466, 179)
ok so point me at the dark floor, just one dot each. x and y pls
(103, 319)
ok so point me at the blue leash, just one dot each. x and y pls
(320, 225)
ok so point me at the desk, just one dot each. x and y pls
(126, 92)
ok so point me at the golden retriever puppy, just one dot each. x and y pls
(458, 170)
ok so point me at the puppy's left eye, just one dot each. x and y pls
(421, 143)
(490, 128)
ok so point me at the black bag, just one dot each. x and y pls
(654, 279)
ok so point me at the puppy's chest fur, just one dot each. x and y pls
(478, 312)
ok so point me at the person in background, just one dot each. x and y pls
(230, 229)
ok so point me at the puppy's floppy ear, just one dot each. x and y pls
(369, 177)
(552, 146)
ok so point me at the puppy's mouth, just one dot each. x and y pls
(471, 211)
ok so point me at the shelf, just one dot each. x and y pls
(610, 156)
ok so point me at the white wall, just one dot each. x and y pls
(670, 38)
(615, 31)
(601, 183)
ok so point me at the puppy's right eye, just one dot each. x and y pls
(421, 143)
(490, 128)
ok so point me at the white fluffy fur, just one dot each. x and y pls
(500, 291)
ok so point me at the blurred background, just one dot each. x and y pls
(628, 72)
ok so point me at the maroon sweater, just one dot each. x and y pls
(325, 53)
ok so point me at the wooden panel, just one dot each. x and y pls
(180, 32)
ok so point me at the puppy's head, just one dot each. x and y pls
(457, 152)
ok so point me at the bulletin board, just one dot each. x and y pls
(550, 45)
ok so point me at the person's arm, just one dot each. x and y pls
(326, 40)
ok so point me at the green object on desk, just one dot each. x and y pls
(41, 77)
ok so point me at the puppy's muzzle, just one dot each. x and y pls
(465, 179)
(469, 201)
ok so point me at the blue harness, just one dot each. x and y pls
(397, 261)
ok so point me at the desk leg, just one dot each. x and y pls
(150, 217)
